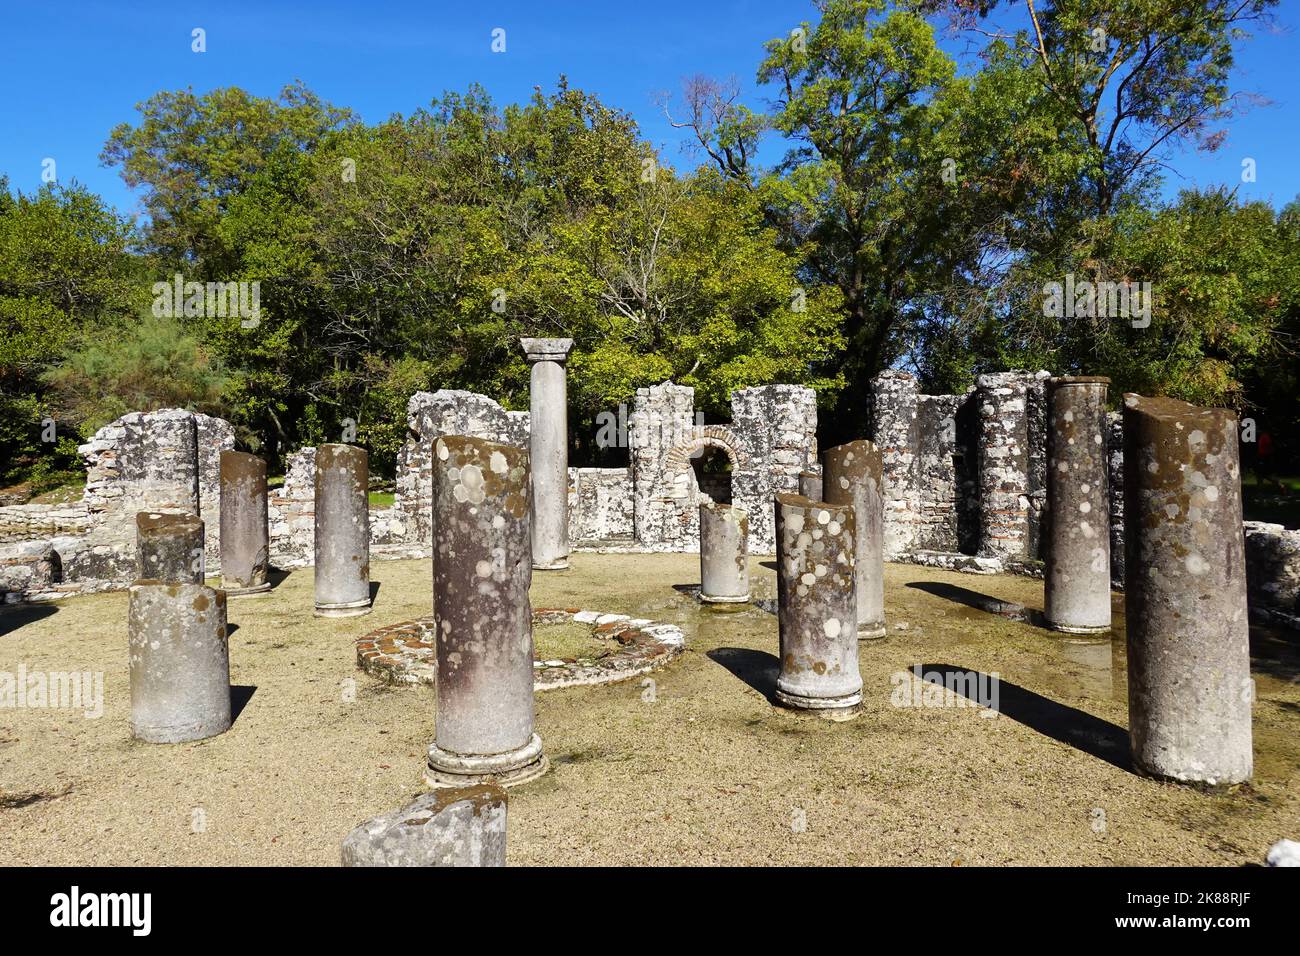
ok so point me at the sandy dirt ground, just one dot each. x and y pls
(698, 768)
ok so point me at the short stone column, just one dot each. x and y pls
(179, 662)
(342, 531)
(245, 530)
(169, 547)
(724, 554)
(465, 826)
(481, 572)
(817, 607)
(1004, 484)
(1076, 580)
(810, 485)
(549, 444)
(1189, 685)
(851, 477)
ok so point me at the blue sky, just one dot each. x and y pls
(73, 70)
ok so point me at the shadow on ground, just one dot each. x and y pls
(758, 669)
(1069, 725)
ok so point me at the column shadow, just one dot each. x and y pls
(19, 615)
(758, 669)
(240, 695)
(1068, 725)
(981, 602)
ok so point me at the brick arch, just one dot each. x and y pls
(678, 459)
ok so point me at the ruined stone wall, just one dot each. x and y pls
(600, 506)
(771, 438)
(1273, 566)
(963, 474)
(429, 415)
(146, 461)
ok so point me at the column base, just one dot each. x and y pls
(510, 769)
(828, 708)
(256, 590)
(353, 609)
(1077, 628)
(560, 565)
(872, 631)
(724, 598)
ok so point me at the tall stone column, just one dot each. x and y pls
(481, 573)
(1189, 680)
(169, 547)
(549, 444)
(724, 554)
(1076, 582)
(817, 607)
(851, 477)
(894, 400)
(245, 530)
(1004, 483)
(179, 662)
(342, 531)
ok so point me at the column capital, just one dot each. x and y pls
(546, 350)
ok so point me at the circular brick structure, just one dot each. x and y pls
(404, 653)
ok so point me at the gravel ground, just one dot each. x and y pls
(697, 768)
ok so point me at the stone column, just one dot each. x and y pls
(724, 554)
(465, 826)
(481, 571)
(894, 399)
(179, 662)
(817, 607)
(1004, 464)
(169, 547)
(1076, 581)
(1189, 680)
(851, 476)
(810, 485)
(342, 531)
(245, 531)
(549, 444)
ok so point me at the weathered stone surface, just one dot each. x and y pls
(817, 606)
(454, 827)
(245, 525)
(771, 438)
(852, 479)
(1077, 579)
(179, 662)
(600, 506)
(1273, 565)
(481, 573)
(342, 531)
(429, 416)
(894, 399)
(1004, 463)
(28, 569)
(1190, 690)
(810, 485)
(169, 547)
(724, 554)
(549, 450)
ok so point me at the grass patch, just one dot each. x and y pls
(566, 642)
